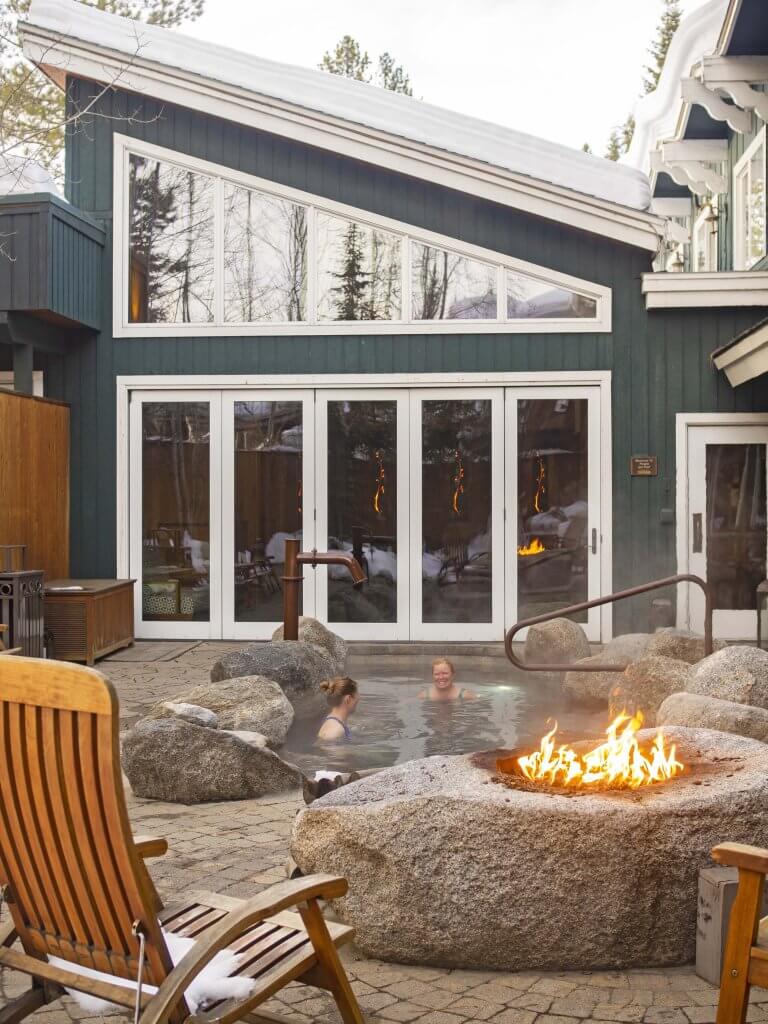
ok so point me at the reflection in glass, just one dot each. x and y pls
(265, 257)
(529, 299)
(456, 510)
(362, 508)
(175, 511)
(736, 523)
(358, 274)
(552, 493)
(268, 503)
(446, 286)
(170, 244)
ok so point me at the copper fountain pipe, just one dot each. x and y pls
(294, 559)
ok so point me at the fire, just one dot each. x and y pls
(534, 547)
(380, 477)
(540, 485)
(617, 763)
(458, 482)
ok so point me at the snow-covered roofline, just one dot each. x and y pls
(19, 176)
(376, 125)
(658, 116)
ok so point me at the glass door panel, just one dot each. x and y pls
(553, 475)
(457, 510)
(362, 502)
(174, 522)
(267, 486)
(727, 535)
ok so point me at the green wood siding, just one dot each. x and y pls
(52, 259)
(659, 361)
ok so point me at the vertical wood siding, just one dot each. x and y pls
(659, 361)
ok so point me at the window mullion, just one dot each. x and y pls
(501, 291)
(312, 261)
(218, 249)
(406, 314)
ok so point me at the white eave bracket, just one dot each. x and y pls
(712, 290)
(694, 91)
(735, 76)
(686, 163)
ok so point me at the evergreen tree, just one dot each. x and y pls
(670, 19)
(627, 133)
(586, 148)
(32, 115)
(352, 290)
(350, 61)
(613, 152)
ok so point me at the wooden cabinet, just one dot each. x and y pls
(89, 618)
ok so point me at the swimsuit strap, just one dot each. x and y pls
(344, 726)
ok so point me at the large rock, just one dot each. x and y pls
(592, 689)
(253, 703)
(646, 684)
(298, 667)
(557, 642)
(172, 760)
(446, 868)
(627, 647)
(195, 713)
(312, 631)
(738, 674)
(699, 712)
(680, 645)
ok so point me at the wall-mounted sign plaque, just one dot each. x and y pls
(643, 465)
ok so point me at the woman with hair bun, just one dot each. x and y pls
(342, 696)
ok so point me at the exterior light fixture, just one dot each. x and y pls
(677, 263)
(710, 211)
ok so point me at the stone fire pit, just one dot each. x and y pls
(449, 867)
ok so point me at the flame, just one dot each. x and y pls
(540, 488)
(379, 456)
(534, 547)
(619, 762)
(458, 482)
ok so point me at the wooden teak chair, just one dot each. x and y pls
(76, 885)
(744, 963)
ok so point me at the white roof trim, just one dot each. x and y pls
(343, 116)
(746, 359)
(699, 290)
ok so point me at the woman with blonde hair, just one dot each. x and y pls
(444, 686)
(343, 697)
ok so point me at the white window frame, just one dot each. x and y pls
(706, 231)
(122, 328)
(740, 179)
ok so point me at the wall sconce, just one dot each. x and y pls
(677, 264)
(711, 212)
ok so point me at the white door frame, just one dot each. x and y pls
(596, 512)
(164, 628)
(685, 422)
(383, 631)
(156, 384)
(468, 631)
(232, 629)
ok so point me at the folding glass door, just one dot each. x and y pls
(553, 537)
(175, 541)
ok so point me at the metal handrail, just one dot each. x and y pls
(620, 595)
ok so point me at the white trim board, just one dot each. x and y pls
(124, 146)
(745, 359)
(705, 289)
(59, 55)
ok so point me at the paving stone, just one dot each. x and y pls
(435, 999)
(532, 1001)
(404, 1012)
(475, 1009)
(377, 1000)
(701, 1014)
(629, 1014)
(408, 988)
(572, 1006)
(440, 1017)
(661, 1015)
(548, 1018)
(547, 986)
(492, 992)
(513, 1016)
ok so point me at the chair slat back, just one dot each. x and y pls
(76, 882)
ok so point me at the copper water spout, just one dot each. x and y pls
(294, 559)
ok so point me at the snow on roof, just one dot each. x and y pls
(18, 175)
(657, 114)
(351, 101)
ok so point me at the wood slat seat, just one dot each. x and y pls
(77, 887)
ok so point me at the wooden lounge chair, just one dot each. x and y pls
(77, 888)
(3, 648)
(745, 963)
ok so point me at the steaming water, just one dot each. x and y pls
(391, 724)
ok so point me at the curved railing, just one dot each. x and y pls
(620, 595)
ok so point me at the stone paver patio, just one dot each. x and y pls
(239, 848)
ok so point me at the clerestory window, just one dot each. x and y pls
(201, 247)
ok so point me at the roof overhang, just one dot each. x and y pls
(746, 357)
(698, 290)
(60, 55)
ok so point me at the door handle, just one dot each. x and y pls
(594, 541)
(697, 534)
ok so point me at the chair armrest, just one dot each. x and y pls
(150, 846)
(739, 855)
(278, 897)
